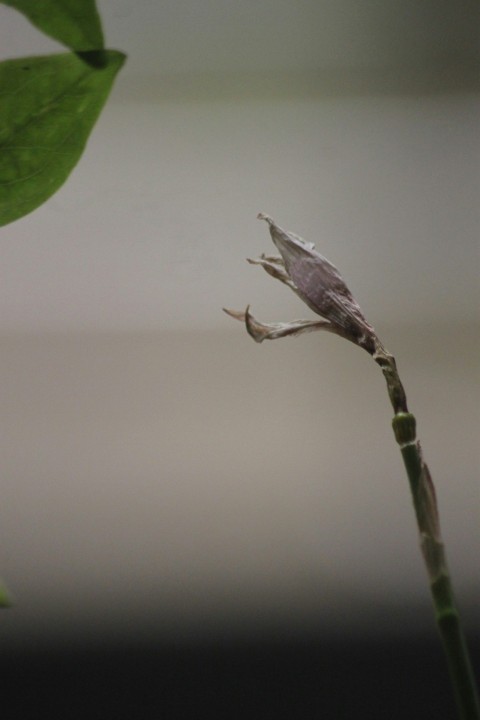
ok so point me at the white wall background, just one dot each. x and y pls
(160, 470)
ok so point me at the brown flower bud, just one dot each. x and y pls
(318, 283)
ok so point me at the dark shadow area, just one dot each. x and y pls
(357, 679)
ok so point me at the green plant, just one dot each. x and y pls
(49, 106)
(51, 103)
(319, 284)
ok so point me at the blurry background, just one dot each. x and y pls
(173, 494)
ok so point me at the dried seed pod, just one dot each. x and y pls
(319, 284)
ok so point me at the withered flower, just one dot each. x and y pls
(318, 283)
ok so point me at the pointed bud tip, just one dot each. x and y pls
(237, 314)
(267, 218)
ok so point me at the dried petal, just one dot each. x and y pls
(272, 331)
(274, 267)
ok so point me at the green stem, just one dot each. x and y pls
(426, 511)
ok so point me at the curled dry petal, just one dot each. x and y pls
(275, 267)
(271, 331)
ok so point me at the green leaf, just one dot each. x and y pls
(48, 107)
(74, 23)
(5, 599)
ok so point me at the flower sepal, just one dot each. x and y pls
(272, 331)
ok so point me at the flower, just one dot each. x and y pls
(318, 283)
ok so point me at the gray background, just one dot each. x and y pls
(160, 472)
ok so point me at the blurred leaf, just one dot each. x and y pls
(48, 107)
(75, 23)
(5, 599)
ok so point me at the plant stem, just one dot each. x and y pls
(5, 600)
(425, 504)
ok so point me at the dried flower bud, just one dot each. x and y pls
(319, 284)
